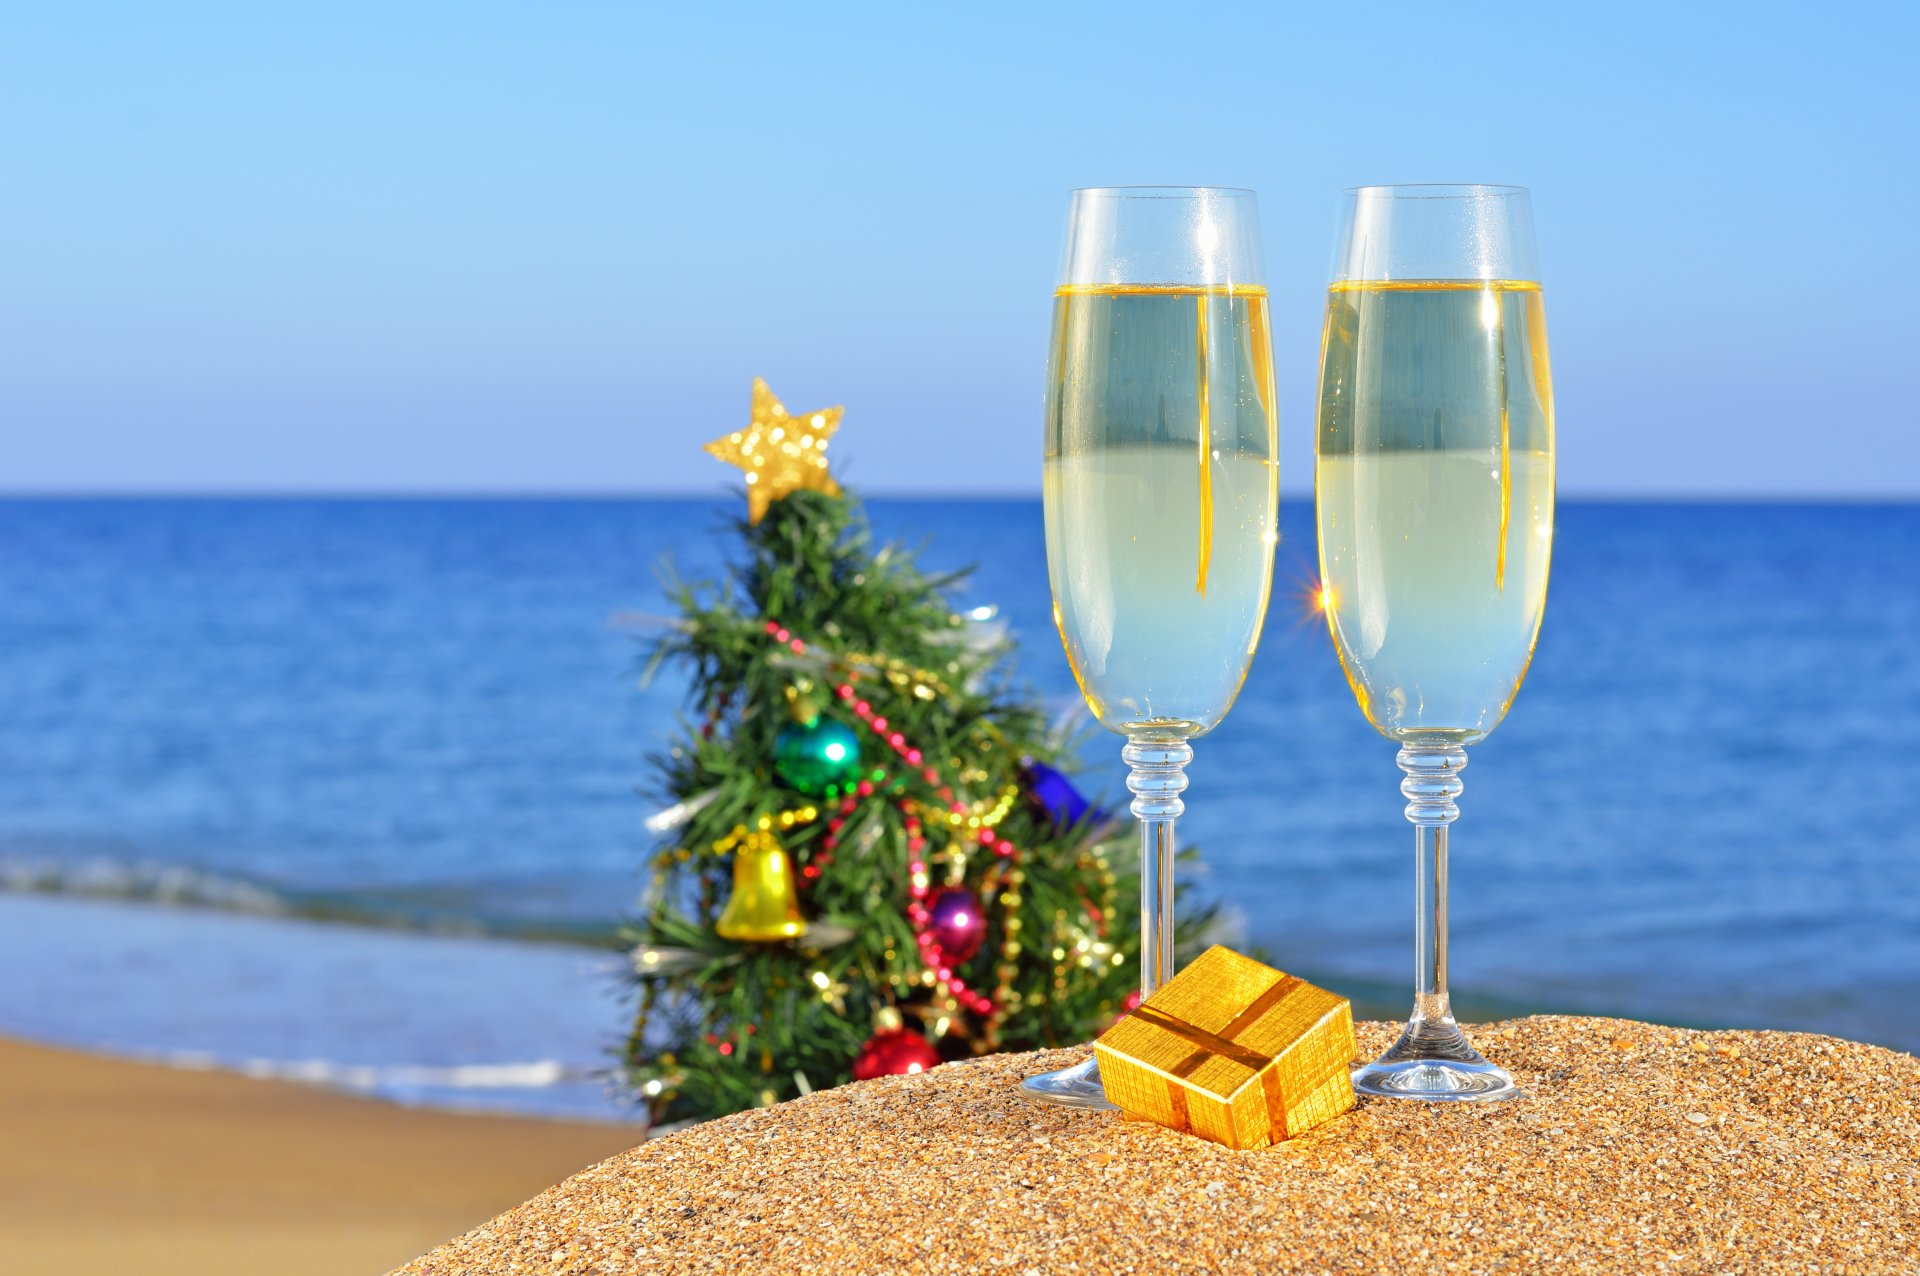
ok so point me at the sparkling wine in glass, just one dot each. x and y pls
(1434, 490)
(1160, 480)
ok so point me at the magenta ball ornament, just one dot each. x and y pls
(957, 923)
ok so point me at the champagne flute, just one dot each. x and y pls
(1160, 482)
(1434, 487)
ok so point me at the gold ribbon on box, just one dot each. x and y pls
(1190, 1057)
(1209, 1045)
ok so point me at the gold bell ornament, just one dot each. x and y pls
(764, 907)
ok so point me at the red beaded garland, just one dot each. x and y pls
(917, 914)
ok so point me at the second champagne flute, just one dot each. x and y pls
(1160, 484)
(1434, 490)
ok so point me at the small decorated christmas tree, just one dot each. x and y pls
(869, 862)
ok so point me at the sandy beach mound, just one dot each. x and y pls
(1635, 1149)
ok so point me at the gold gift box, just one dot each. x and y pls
(1234, 1051)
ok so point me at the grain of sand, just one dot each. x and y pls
(1635, 1149)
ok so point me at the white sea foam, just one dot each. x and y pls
(151, 880)
(532, 1075)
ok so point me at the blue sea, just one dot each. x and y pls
(350, 791)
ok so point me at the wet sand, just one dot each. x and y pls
(110, 1166)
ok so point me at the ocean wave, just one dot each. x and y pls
(152, 881)
(537, 1074)
(160, 882)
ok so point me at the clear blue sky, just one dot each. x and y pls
(546, 247)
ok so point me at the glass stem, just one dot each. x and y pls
(1157, 779)
(1430, 922)
(1431, 786)
(1432, 1060)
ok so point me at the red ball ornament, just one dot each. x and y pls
(957, 923)
(894, 1054)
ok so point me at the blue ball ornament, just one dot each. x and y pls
(1052, 794)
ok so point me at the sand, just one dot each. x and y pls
(1635, 1149)
(109, 1166)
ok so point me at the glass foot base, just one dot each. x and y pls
(1434, 1063)
(1075, 1087)
(1434, 1082)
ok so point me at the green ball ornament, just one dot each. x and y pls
(816, 757)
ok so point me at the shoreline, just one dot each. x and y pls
(197, 984)
(445, 1022)
(113, 1165)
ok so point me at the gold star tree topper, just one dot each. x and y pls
(779, 452)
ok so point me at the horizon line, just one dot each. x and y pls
(531, 495)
